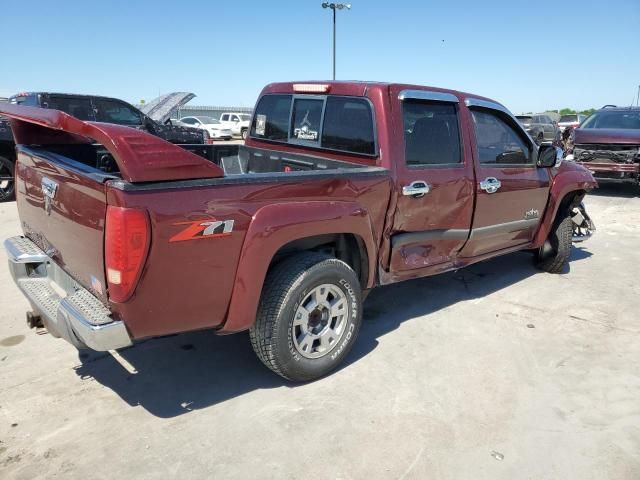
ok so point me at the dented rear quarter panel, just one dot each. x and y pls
(189, 285)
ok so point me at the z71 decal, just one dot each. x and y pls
(198, 230)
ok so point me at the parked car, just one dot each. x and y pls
(90, 108)
(608, 144)
(572, 120)
(340, 187)
(540, 126)
(237, 122)
(213, 128)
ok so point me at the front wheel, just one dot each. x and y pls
(554, 254)
(7, 180)
(309, 316)
(244, 133)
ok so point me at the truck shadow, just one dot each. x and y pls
(174, 375)
(622, 190)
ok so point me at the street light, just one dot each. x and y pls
(334, 7)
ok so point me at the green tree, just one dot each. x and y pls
(567, 111)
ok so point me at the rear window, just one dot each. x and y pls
(569, 118)
(348, 125)
(329, 122)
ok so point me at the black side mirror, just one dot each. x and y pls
(549, 156)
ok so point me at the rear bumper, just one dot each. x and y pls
(67, 309)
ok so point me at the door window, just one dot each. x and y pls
(225, 117)
(79, 107)
(235, 119)
(498, 143)
(431, 134)
(110, 111)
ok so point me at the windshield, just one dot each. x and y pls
(208, 120)
(569, 118)
(523, 119)
(245, 117)
(621, 119)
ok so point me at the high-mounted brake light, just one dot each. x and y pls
(311, 87)
(127, 238)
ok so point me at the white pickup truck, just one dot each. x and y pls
(238, 123)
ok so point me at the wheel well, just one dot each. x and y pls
(347, 247)
(570, 200)
(8, 150)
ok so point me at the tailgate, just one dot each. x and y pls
(61, 196)
(63, 212)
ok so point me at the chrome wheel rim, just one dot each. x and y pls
(320, 321)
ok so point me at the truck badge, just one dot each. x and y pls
(49, 190)
(304, 132)
(198, 230)
(531, 214)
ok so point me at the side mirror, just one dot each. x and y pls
(549, 156)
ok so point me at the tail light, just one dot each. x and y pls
(127, 238)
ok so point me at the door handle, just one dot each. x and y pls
(416, 189)
(490, 184)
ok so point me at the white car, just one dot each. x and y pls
(571, 120)
(237, 122)
(213, 127)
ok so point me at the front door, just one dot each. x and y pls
(434, 204)
(511, 191)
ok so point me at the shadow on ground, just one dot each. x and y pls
(623, 190)
(181, 373)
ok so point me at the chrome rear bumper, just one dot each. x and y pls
(67, 309)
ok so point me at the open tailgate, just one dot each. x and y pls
(62, 203)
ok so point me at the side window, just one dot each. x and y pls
(79, 107)
(271, 121)
(498, 143)
(305, 120)
(348, 125)
(110, 111)
(431, 134)
(188, 120)
(224, 118)
(235, 119)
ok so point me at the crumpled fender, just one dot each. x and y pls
(570, 177)
(274, 226)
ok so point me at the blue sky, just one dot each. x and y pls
(528, 55)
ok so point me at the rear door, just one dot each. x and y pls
(511, 191)
(434, 204)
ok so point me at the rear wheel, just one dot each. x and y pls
(309, 316)
(244, 133)
(7, 181)
(554, 254)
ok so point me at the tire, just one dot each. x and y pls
(244, 133)
(553, 256)
(7, 180)
(286, 336)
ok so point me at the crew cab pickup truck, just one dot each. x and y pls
(340, 187)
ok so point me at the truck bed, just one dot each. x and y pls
(233, 159)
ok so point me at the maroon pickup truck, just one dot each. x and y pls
(340, 187)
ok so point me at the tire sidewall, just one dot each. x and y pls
(9, 195)
(341, 277)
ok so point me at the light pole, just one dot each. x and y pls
(334, 6)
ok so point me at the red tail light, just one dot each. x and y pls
(127, 238)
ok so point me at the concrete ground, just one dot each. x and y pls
(493, 372)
